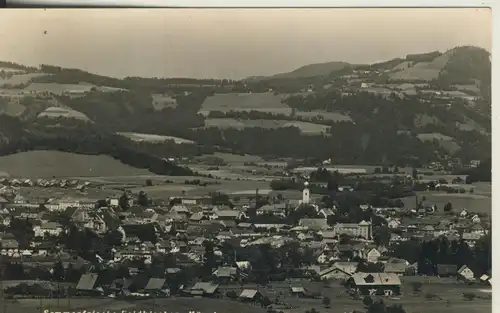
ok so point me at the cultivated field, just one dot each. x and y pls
(152, 138)
(421, 71)
(444, 141)
(264, 102)
(46, 164)
(305, 127)
(327, 116)
(344, 169)
(56, 112)
(472, 202)
(20, 79)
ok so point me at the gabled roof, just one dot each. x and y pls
(205, 287)
(155, 284)
(371, 279)
(87, 281)
(248, 293)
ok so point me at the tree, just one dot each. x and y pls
(382, 236)
(123, 202)
(367, 301)
(231, 294)
(149, 182)
(469, 296)
(142, 199)
(326, 302)
(58, 271)
(414, 173)
(448, 207)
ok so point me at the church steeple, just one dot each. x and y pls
(306, 197)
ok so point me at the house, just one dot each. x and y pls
(251, 295)
(476, 219)
(362, 229)
(225, 274)
(50, 228)
(463, 213)
(155, 285)
(272, 209)
(446, 270)
(298, 291)
(393, 223)
(204, 289)
(333, 273)
(371, 255)
(387, 284)
(226, 215)
(465, 273)
(398, 268)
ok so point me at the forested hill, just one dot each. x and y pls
(413, 110)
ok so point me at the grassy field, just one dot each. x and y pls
(344, 169)
(421, 71)
(46, 164)
(264, 102)
(444, 141)
(327, 116)
(19, 79)
(152, 138)
(55, 112)
(472, 202)
(305, 127)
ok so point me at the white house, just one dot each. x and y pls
(465, 272)
(50, 228)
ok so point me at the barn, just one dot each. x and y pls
(387, 284)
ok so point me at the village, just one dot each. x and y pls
(296, 254)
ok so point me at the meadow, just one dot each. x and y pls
(444, 141)
(327, 116)
(46, 164)
(152, 138)
(305, 127)
(420, 71)
(264, 102)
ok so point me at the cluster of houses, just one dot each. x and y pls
(183, 228)
(44, 183)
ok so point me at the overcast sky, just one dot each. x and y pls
(230, 43)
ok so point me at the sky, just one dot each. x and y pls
(230, 43)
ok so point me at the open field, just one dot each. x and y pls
(91, 193)
(327, 116)
(472, 202)
(46, 164)
(421, 71)
(444, 141)
(20, 79)
(305, 127)
(152, 138)
(344, 169)
(264, 102)
(56, 112)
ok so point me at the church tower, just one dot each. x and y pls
(306, 197)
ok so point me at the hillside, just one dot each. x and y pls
(414, 109)
(45, 164)
(311, 70)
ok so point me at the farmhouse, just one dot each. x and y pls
(375, 283)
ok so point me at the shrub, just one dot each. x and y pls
(469, 296)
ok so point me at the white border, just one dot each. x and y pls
(261, 3)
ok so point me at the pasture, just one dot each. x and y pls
(56, 112)
(343, 169)
(58, 89)
(327, 116)
(305, 127)
(46, 164)
(425, 71)
(472, 202)
(264, 102)
(20, 79)
(444, 141)
(152, 138)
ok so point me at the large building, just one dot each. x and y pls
(362, 229)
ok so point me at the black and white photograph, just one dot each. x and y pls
(246, 160)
